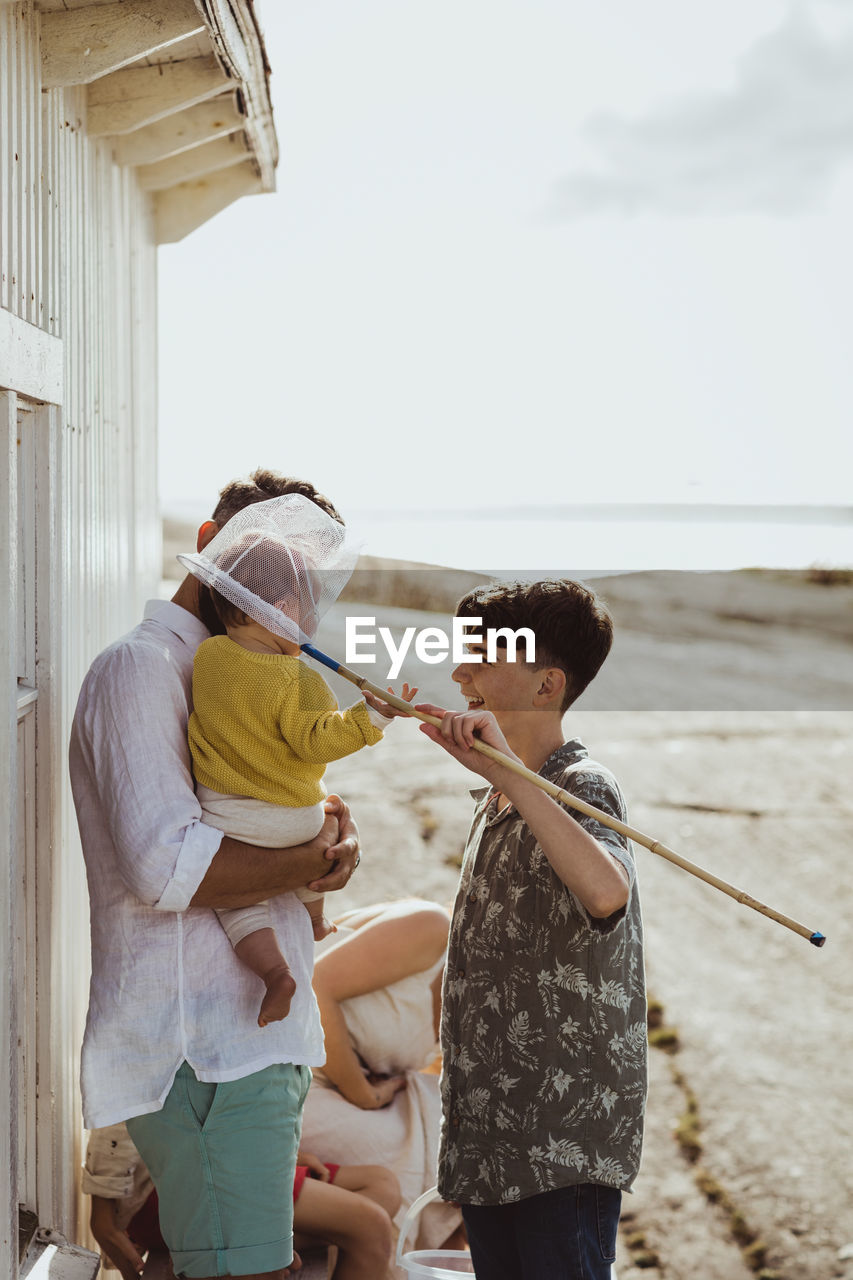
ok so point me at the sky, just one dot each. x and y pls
(529, 252)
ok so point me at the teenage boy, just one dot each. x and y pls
(543, 1027)
(172, 1043)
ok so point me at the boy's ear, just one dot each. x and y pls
(206, 533)
(552, 684)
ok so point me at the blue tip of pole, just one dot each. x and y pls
(817, 939)
(319, 656)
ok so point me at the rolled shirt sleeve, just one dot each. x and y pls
(195, 855)
(114, 1170)
(598, 787)
(111, 1164)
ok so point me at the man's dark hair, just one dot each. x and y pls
(571, 624)
(262, 485)
(258, 487)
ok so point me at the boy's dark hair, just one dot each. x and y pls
(262, 485)
(259, 487)
(571, 624)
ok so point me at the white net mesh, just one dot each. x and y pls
(282, 562)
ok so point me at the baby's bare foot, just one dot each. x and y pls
(323, 927)
(280, 985)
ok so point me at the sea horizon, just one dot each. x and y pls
(585, 538)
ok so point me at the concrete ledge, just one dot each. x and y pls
(51, 1257)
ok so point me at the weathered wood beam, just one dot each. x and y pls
(181, 209)
(80, 45)
(30, 359)
(208, 158)
(138, 96)
(237, 41)
(179, 132)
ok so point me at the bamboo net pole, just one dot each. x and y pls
(816, 938)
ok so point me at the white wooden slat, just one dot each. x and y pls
(24, 846)
(13, 176)
(26, 605)
(59, 944)
(79, 45)
(25, 965)
(20, 173)
(138, 96)
(6, 26)
(7, 93)
(208, 158)
(25, 851)
(8, 843)
(25, 171)
(46, 229)
(184, 207)
(180, 131)
(54, 103)
(34, 177)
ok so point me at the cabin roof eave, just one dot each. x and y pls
(165, 79)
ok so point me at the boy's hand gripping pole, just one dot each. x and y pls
(816, 938)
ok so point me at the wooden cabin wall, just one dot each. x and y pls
(81, 546)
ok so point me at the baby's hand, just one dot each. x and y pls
(384, 708)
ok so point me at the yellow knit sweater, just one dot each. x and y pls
(265, 725)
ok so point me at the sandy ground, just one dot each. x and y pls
(726, 710)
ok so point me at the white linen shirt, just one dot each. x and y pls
(166, 985)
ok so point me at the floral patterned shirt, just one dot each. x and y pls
(543, 1025)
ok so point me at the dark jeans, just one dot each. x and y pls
(567, 1234)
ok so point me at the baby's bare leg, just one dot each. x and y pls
(321, 924)
(260, 952)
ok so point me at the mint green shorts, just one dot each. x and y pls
(222, 1157)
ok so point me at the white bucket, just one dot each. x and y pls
(430, 1264)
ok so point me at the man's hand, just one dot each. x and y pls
(457, 733)
(343, 851)
(116, 1244)
(242, 874)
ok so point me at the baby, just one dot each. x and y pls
(264, 724)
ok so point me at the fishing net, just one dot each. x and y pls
(283, 562)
